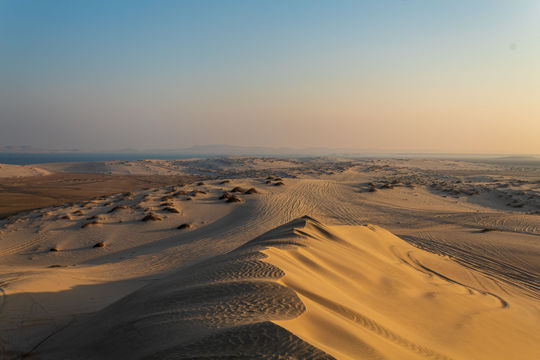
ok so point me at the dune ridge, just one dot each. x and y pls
(305, 290)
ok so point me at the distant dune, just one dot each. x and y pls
(21, 171)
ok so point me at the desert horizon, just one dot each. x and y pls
(288, 180)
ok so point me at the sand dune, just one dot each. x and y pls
(306, 290)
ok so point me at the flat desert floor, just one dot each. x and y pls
(269, 258)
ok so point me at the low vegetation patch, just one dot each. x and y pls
(233, 199)
(151, 217)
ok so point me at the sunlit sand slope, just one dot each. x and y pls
(308, 291)
(369, 294)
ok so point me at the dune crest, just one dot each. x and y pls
(369, 294)
(305, 290)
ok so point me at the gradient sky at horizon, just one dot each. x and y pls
(388, 75)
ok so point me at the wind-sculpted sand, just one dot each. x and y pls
(125, 276)
(306, 290)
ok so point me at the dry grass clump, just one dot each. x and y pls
(117, 207)
(270, 177)
(225, 196)
(171, 209)
(184, 226)
(100, 244)
(233, 199)
(195, 192)
(251, 191)
(238, 189)
(268, 182)
(372, 189)
(278, 179)
(151, 217)
(387, 186)
(95, 222)
(279, 183)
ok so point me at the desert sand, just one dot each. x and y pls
(346, 259)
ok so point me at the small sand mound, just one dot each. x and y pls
(200, 183)
(167, 197)
(268, 182)
(184, 226)
(251, 191)
(151, 217)
(171, 209)
(78, 212)
(225, 181)
(280, 183)
(67, 217)
(238, 189)
(188, 198)
(94, 217)
(233, 199)
(195, 192)
(180, 192)
(100, 244)
(53, 249)
(95, 222)
(166, 204)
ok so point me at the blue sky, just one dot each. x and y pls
(273, 73)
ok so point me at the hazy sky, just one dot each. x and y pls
(385, 75)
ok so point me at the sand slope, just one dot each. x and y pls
(308, 291)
